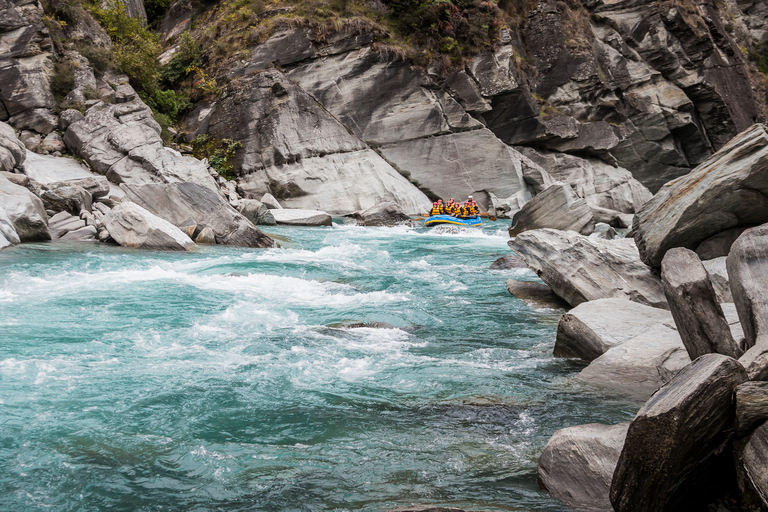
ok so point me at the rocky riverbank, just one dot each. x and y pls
(655, 322)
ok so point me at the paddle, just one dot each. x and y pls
(486, 214)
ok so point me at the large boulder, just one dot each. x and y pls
(698, 316)
(556, 207)
(674, 457)
(180, 202)
(577, 465)
(752, 468)
(718, 276)
(12, 150)
(8, 235)
(728, 190)
(748, 271)
(65, 198)
(25, 210)
(751, 406)
(295, 217)
(580, 269)
(640, 365)
(256, 212)
(592, 328)
(130, 225)
(382, 214)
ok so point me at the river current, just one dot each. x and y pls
(353, 369)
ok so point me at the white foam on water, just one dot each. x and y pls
(6, 296)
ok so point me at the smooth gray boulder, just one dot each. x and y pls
(179, 202)
(639, 366)
(256, 212)
(601, 185)
(692, 300)
(555, 207)
(718, 276)
(97, 186)
(728, 190)
(752, 469)
(25, 210)
(63, 223)
(747, 266)
(8, 235)
(751, 406)
(130, 225)
(577, 465)
(673, 456)
(592, 328)
(83, 234)
(382, 214)
(295, 217)
(12, 150)
(64, 198)
(537, 294)
(719, 245)
(270, 202)
(580, 269)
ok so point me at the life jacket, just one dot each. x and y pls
(473, 209)
(435, 210)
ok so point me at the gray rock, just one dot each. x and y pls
(40, 120)
(424, 508)
(179, 202)
(719, 245)
(751, 406)
(592, 328)
(382, 214)
(130, 225)
(83, 234)
(270, 202)
(507, 262)
(537, 294)
(673, 457)
(67, 198)
(8, 235)
(294, 217)
(599, 184)
(256, 212)
(206, 237)
(752, 469)
(555, 207)
(577, 465)
(47, 169)
(698, 316)
(639, 366)
(604, 232)
(729, 190)
(579, 269)
(64, 222)
(12, 150)
(25, 210)
(97, 186)
(68, 117)
(718, 276)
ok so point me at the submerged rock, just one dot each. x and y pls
(580, 269)
(130, 225)
(577, 465)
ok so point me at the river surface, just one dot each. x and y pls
(354, 369)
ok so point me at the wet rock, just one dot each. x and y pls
(130, 225)
(751, 406)
(673, 457)
(292, 217)
(555, 207)
(579, 269)
(592, 328)
(383, 214)
(179, 202)
(729, 190)
(537, 294)
(747, 266)
(25, 210)
(752, 468)
(698, 316)
(256, 211)
(577, 465)
(424, 508)
(718, 276)
(508, 262)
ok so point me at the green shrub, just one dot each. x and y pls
(218, 152)
(187, 57)
(101, 59)
(759, 55)
(63, 79)
(156, 9)
(171, 103)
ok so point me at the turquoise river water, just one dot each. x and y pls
(235, 379)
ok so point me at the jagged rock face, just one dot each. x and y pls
(298, 152)
(25, 60)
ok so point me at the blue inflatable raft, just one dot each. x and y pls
(435, 220)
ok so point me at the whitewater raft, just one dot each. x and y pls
(436, 220)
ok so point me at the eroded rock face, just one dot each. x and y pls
(130, 225)
(729, 190)
(577, 465)
(580, 269)
(298, 152)
(673, 457)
